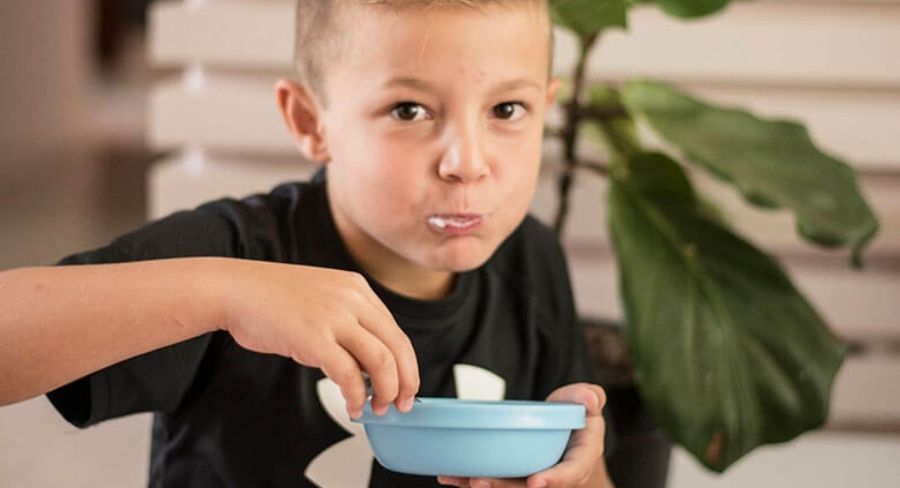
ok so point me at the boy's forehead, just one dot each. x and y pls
(404, 41)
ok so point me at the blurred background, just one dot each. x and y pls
(113, 112)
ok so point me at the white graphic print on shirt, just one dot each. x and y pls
(348, 464)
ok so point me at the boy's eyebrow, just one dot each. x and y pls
(419, 84)
(518, 83)
(410, 82)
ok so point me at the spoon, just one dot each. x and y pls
(370, 390)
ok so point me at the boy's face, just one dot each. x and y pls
(433, 129)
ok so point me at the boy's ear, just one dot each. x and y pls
(553, 90)
(303, 119)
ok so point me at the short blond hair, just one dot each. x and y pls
(317, 40)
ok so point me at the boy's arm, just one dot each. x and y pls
(62, 323)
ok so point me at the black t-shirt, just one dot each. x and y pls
(226, 416)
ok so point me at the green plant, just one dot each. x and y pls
(728, 354)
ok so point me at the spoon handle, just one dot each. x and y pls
(370, 391)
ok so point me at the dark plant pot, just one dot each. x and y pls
(640, 451)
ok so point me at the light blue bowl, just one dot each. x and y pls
(499, 439)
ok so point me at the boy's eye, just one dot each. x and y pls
(409, 111)
(509, 110)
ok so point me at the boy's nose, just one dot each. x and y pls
(464, 160)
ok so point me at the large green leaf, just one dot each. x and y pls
(728, 354)
(771, 162)
(586, 18)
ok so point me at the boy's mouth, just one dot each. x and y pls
(456, 224)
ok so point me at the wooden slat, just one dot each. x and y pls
(866, 391)
(249, 35)
(177, 185)
(815, 460)
(238, 111)
(773, 42)
(221, 112)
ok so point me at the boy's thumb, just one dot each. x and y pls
(591, 396)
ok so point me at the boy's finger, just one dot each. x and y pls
(591, 396)
(453, 481)
(482, 482)
(343, 369)
(583, 455)
(498, 483)
(382, 324)
(572, 471)
(377, 360)
(392, 336)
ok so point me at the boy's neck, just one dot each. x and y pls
(397, 274)
(413, 283)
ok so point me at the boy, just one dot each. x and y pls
(411, 254)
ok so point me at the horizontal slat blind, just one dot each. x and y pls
(829, 63)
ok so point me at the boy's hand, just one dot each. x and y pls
(323, 318)
(582, 464)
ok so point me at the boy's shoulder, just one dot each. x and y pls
(282, 197)
(266, 225)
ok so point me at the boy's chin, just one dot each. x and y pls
(462, 260)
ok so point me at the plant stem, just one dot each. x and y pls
(600, 168)
(569, 134)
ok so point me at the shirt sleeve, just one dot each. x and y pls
(157, 380)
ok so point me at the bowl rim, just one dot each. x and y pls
(454, 413)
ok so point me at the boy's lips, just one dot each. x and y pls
(456, 224)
